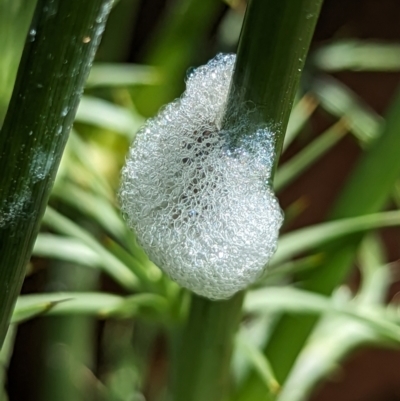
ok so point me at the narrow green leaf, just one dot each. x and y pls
(66, 249)
(98, 304)
(114, 75)
(101, 305)
(108, 116)
(148, 273)
(259, 362)
(5, 357)
(375, 273)
(290, 267)
(297, 301)
(299, 116)
(358, 55)
(304, 239)
(110, 264)
(310, 154)
(93, 206)
(334, 338)
(340, 101)
(15, 18)
(81, 149)
(287, 299)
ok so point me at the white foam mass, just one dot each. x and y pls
(203, 209)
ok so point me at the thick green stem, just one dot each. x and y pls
(58, 53)
(69, 346)
(273, 45)
(205, 353)
(272, 50)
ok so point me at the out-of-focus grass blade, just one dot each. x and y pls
(93, 206)
(15, 17)
(310, 154)
(396, 194)
(98, 304)
(259, 362)
(101, 305)
(101, 211)
(297, 301)
(288, 299)
(114, 75)
(138, 263)
(300, 114)
(110, 264)
(335, 337)
(307, 238)
(340, 101)
(295, 209)
(375, 275)
(82, 151)
(66, 249)
(288, 268)
(5, 356)
(358, 55)
(109, 116)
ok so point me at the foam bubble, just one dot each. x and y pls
(201, 208)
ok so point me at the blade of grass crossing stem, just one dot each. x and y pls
(49, 84)
(304, 159)
(259, 362)
(378, 169)
(358, 55)
(99, 304)
(5, 356)
(299, 116)
(115, 75)
(272, 49)
(307, 238)
(339, 100)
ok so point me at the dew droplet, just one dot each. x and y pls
(32, 35)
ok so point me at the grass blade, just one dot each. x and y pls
(110, 264)
(357, 55)
(304, 239)
(304, 159)
(115, 75)
(260, 363)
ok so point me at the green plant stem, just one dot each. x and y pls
(69, 345)
(273, 45)
(272, 50)
(57, 57)
(203, 371)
